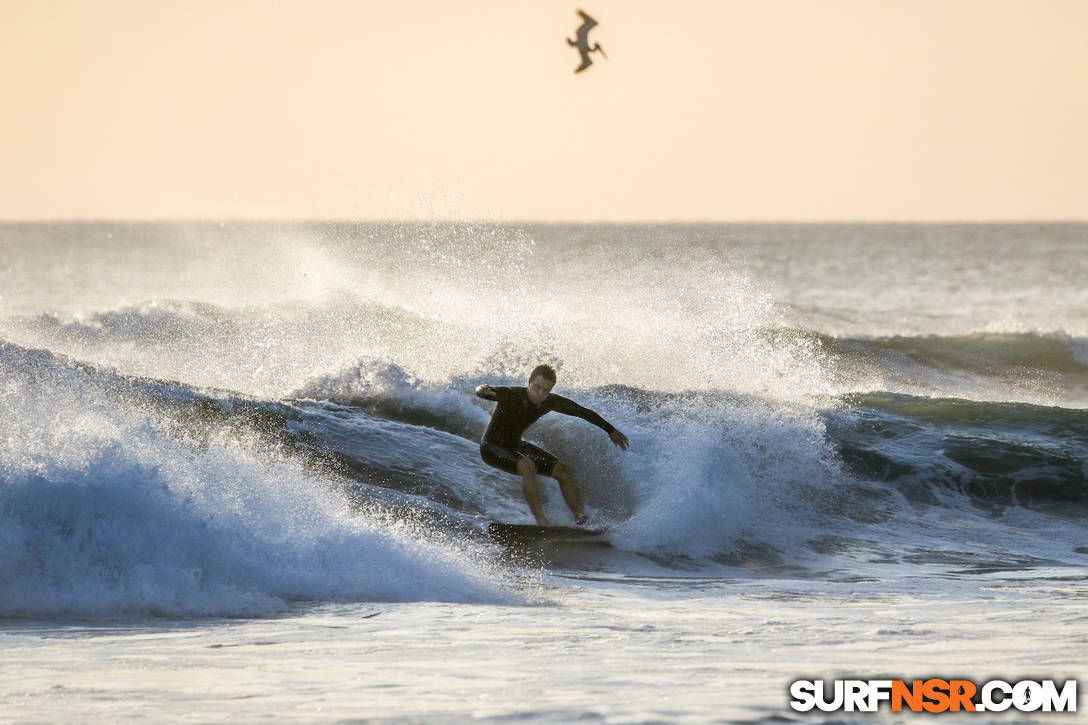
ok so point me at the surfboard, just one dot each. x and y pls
(522, 534)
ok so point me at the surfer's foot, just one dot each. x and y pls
(581, 520)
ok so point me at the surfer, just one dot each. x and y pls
(502, 447)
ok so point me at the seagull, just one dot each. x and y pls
(582, 44)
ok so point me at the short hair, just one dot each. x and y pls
(545, 370)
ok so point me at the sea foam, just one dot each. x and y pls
(104, 513)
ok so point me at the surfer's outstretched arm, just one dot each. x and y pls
(486, 392)
(569, 407)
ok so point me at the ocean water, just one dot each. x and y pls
(240, 480)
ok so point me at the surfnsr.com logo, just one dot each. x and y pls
(933, 695)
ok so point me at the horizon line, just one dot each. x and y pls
(531, 221)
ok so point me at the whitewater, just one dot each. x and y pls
(240, 478)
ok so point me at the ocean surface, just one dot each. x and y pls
(240, 479)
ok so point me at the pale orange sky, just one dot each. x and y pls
(799, 110)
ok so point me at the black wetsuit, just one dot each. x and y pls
(502, 446)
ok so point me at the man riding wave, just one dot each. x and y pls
(502, 447)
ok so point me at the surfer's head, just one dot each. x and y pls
(541, 382)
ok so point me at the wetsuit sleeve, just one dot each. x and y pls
(566, 406)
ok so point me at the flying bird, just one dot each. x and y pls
(582, 43)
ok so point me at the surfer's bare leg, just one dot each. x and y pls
(571, 494)
(531, 489)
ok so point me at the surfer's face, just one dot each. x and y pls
(539, 387)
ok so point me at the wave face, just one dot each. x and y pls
(234, 418)
(1049, 368)
(996, 454)
(115, 501)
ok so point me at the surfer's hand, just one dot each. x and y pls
(619, 439)
(485, 392)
